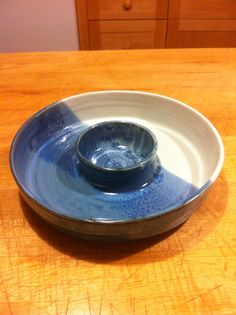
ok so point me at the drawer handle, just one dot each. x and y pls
(127, 5)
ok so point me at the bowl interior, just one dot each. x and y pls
(116, 145)
(45, 163)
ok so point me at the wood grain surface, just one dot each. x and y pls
(191, 270)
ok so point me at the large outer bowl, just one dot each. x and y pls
(141, 227)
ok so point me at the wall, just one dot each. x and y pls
(38, 25)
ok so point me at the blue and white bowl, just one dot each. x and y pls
(117, 155)
(46, 167)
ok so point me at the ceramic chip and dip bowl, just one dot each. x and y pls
(116, 164)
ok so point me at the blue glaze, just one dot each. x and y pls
(38, 131)
(47, 167)
(117, 155)
(116, 145)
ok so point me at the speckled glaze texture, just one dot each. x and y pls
(46, 167)
(117, 156)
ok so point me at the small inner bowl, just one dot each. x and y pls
(115, 147)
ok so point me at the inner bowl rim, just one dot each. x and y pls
(141, 164)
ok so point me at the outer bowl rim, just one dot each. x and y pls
(199, 193)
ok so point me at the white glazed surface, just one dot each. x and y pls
(189, 146)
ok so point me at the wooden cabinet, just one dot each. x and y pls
(134, 24)
(202, 9)
(123, 34)
(201, 33)
(122, 24)
(202, 23)
(126, 9)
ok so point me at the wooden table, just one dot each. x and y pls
(189, 271)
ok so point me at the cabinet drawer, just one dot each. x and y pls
(126, 9)
(127, 34)
(201, 33)
(208, 9)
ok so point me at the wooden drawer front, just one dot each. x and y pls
(191, 9)
(127, 34)
(201, 33)
(126, 9)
